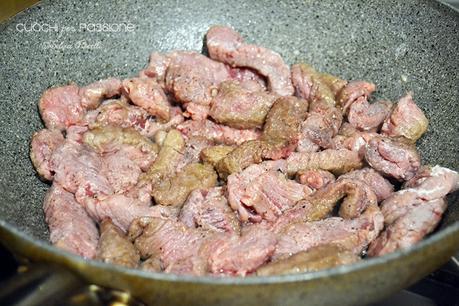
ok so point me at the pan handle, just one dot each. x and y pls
(40, 284)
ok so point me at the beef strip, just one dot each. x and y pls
(114, 247)
(174, 190)
(357, 142)
(69, 225)
(61, 107)
(261, 192)
(42, 147)
(378, 184)
(148, 94)
(122, 210)
(193, 78)
(242, 255)
(77, 169)
(315, 178)
(212, 155)
(315, 86)
(240, 108)
(209, 209)
(93, 94)
(365, 116)
(412, 213)
(352, 92)
(249, 79)
(353, 235)
(336, 161)
(120, 113)
(392, 158)
(217, 133)
(357, 196)
(169, 157)
(178, 248)
(409, 229)
(111, 139)
(324, 118)
(435, 183)
(227, 46)
(406, 120)
(279, 138)
(316, 258)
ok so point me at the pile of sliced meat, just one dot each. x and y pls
(234, 164)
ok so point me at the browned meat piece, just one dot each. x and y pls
(241, 255)
(114, 247)
(335, 161)
(193, 148)
(217, 133)
(406, 120)
(314, 86)
(279, 138)
(148, 94)
(174, 191)
(352, 92)
(315, 259)
(168, 158)
(378, 184)
(365, 116)
(61, 107)
(409, 229)
(193, 77)
(320, 204)
(69, 225)
(78, 169)
(157, 67)
(261, 192)
(433, 183)
(111, 139)
(315, 178)
(93, 94)
(212, 155)
(152, 264)
(358, 197)
(353, 235)
(240, 108)
(42, 147)
(226, 45)
(392, 158)
(209, 209)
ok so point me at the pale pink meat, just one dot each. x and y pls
(69, 225)
(227, 46)
(42, 147)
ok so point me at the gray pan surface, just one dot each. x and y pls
(399, 45)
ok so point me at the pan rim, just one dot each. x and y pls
(78, 261)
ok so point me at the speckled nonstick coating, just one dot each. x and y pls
(399, 45)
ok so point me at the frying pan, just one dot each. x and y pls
(399, 45)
